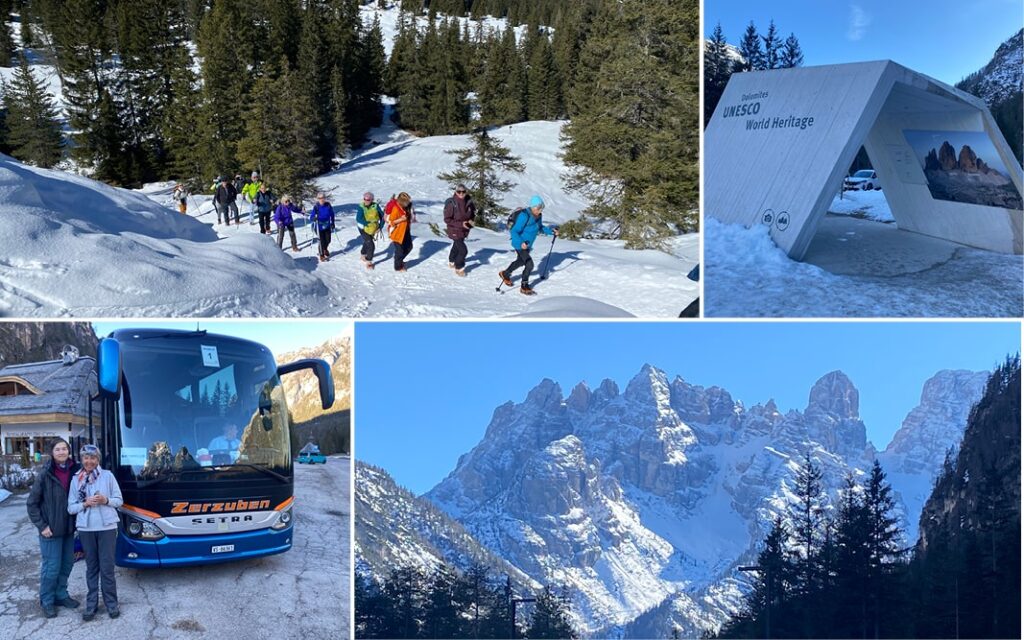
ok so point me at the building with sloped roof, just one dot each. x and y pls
(44, 400)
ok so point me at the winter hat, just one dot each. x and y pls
(536, 201)
(320, 194)
(368, 196)
(461, 187)
(255, 175)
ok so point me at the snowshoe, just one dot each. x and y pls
(460, 272)
(505, 279)
(369, 265)
(401, 270)
(526, 290)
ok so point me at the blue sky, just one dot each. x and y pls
(946, 39)
(425, 392)
(280, 336)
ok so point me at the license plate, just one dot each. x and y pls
(224, 548)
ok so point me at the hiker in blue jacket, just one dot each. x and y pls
(524, 231)
(322, 219)
(284, 220)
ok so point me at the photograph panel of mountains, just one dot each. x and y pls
(222, 452)
(733, 480)
(153, 141)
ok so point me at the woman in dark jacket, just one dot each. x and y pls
(459, 212)
(48, 511)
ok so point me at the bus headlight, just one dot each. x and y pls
(283, 520)
(142, 530)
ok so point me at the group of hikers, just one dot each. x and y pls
(374, 221)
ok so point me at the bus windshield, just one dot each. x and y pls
(198, 403)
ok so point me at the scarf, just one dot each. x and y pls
(85, 478)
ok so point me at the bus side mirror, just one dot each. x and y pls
(108, 363)
(323, 376)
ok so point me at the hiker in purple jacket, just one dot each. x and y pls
(284, 220)
(459, 213)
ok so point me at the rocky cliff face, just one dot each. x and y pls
(946, 159)
(39, 341)
(643, 502)
(1003, 76)
(302, 389)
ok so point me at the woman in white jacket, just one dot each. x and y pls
(94, 498)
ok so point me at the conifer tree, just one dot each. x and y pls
(83, 47)
(6, 41)
(339, 123)
(550, 618)
(314, 75)
(225, 83)
(543, 83)
(792, 55)
(751, 50)
(772, 47)
(632, 147)
(718, 68)
(478, 168)
(502, 97)
(279, 139)
(32, 123)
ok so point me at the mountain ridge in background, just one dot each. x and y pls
(642, 502)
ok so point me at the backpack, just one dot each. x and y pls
(514, 216)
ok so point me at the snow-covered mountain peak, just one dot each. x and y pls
(547, 395)
(1003, 76)
(650, 384)
(645, 501)
(835, 394)
(607, 391)
(946, 401)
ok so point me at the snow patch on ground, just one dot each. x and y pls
(389, 23)
(862, 204)
(748, 275)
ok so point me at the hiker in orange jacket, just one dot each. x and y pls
(400, 215)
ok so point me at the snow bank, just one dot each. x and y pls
(862, 204)
(568, 306)
(74, 246)
(747, 275)
(4, 494)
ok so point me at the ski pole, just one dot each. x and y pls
(547, 259)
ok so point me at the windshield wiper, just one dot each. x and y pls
(165, 475)
(266, 470)
(175, 472)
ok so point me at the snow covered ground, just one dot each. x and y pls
(75, 247)
(587, 278)
(389, 22)
(871, 205)
(747, 275)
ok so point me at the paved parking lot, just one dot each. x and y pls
(301, 593)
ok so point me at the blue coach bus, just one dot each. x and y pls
(196, 428)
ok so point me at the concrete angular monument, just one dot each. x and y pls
(780, 143)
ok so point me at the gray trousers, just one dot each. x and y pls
(99, 562)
